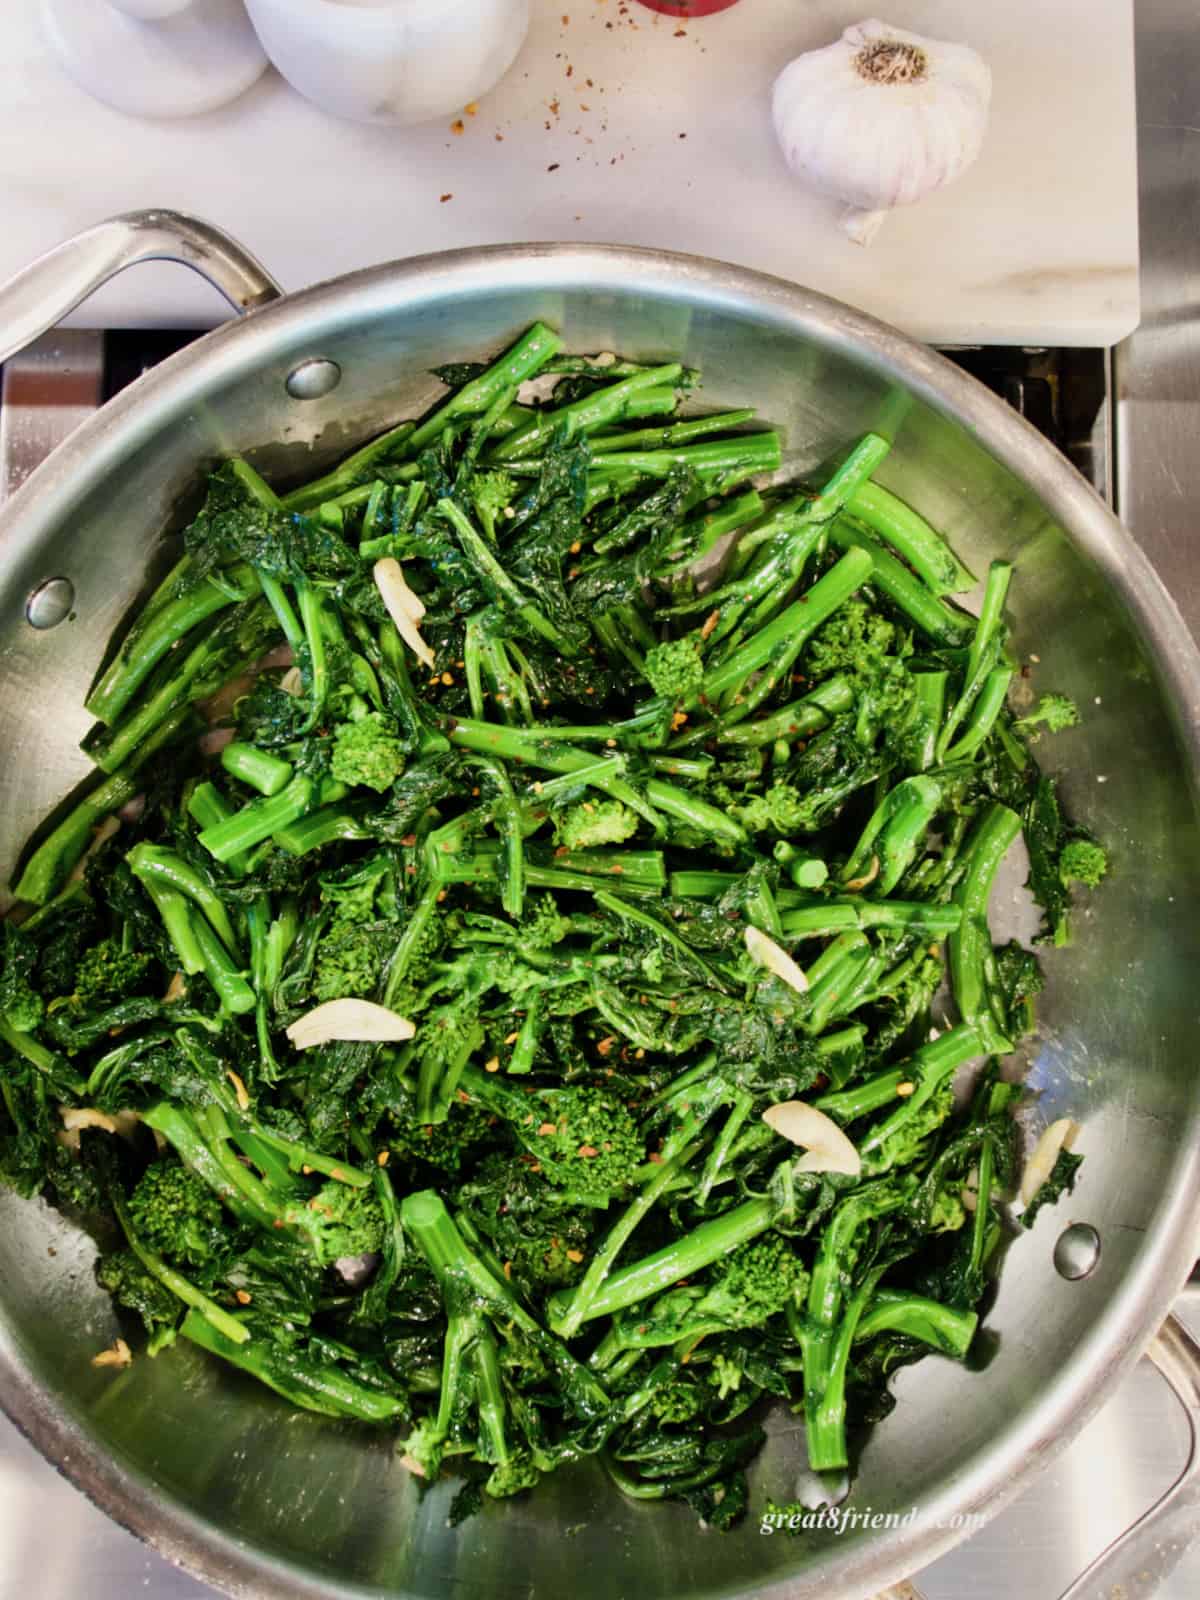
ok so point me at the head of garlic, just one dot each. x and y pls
(881, 118)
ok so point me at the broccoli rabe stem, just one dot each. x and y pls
(983, 654)
(410, 942)
(931, 1065)
(794, 721)
(259, 768)
(997, 1098)
(670, 433)
(527, 356)
(152, 863)
(507, 818)
(207, 806)
(431, 1228)
(204, 668)
(929, 709)
(939, 621)
(674, 1159)
(357, 468)
(176, 914)
(750, 602)
(925, 551)
(970, 946)
(213, 1315)
(896, 1310)
(773, 649)
(235, 994)
(893, 832)
(828, 917)
(318, 829)
(982, 716)
(36, 1053)
(716, 462)
(521, 746)
(701, 532)
(48, 866)
(260, 819)
(319, 1386)
(695, 1250)
(595, 410)
(153, 636)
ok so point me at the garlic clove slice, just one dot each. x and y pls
(1059, 1136)
(768, 954)
(404, 607)
(349, 1019)
(828, 1149)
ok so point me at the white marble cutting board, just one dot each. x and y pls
(618, 124)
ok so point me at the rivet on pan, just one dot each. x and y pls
(313, 379)
(50, 603)
(1077, 1250)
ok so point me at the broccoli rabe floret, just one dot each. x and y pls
(445, 1145)
(1053, 712)
(347, 962)
(595, 822)
(175, 1214)
(367, 753)
(1083, 862)
(676, 1402)
(106, 972)
(852, 635)
(491, 495)
(544, 926)
(512, 1476)
(584, 1138)
(347, 1221)
(756, 1280)
(779, 809)
(674, 670)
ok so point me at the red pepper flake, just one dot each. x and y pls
(547, 1128)
(655, 1157)
(683, 135)
(553, 167)
(575, 1255)
(499, 138)
(587, 1150)
(242, 1298)
(680, 33)
(554, 108)
(444, 197)
(472, 110)
(508, 1270)
(570, 70)
(566, 19)
(606, 1044)
(458, 126)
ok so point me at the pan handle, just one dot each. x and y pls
(1139, 1559)
(1136, 1562)
(44, 292)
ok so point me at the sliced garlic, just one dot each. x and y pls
(767, 953)
(411, 1464)
(829, 1150)
(292, 682)
(118, 1354)
(349, 1019)
(75, 1118)
(403, 606)
(970, 1190)
(1059, 1136)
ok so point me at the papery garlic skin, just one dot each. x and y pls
(881, 119)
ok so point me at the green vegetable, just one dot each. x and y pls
(556, 1220)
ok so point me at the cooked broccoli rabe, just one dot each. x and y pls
(367, 753)
(538, 870)
(594, 823)
(674, 669)
(1053, 713)
(1083, 862)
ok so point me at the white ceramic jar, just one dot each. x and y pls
(156, 58)
(391, 61)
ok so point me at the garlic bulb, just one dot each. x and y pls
(881, 118)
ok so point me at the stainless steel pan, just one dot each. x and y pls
(260, 1501)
